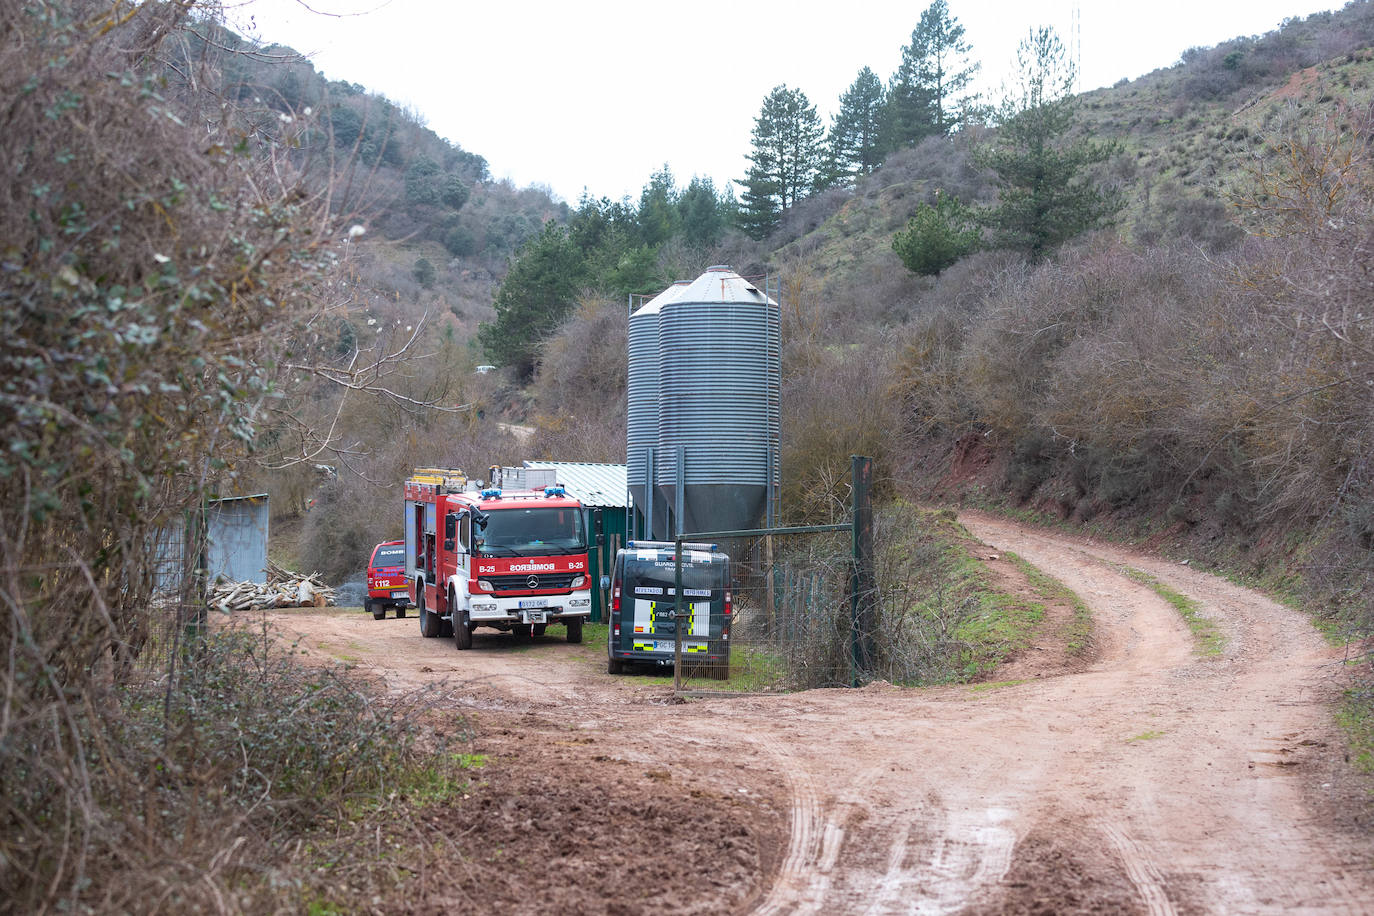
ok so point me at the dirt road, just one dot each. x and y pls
(1155, 781)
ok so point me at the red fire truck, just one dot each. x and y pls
(515, 561)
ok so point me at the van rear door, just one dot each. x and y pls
(648, 600)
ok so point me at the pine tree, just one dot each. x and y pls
(1045, 196)
(702, 213)
(658, 213)
(855, 141)
(537, 294)
(759, 213)
(937, 236)
(925, 93)
(786, 160)
(908, 117)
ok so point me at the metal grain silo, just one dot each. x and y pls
(641, 421)
(719, 377)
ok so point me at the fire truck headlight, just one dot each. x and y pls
(484, 585)
(579, 581)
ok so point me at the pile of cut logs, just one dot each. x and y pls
(284, 588)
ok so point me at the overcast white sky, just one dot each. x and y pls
(598, 95)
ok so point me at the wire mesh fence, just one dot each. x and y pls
(177, 612)
(790, 617)
(804, 614)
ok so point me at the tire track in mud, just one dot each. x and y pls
(870, 847)
(1145, 877)
(973, 850)
(813, 845)
(889, 887)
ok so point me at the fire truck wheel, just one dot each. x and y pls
(462, 633)
(539, 628)
(429, 623)
(400, 610)
(446, 626)
(574, 629)
(521, 632)
(378, 610)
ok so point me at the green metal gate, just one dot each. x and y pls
(609, 529)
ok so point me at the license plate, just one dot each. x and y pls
(535, 616)
(667, 645)
(400, 594)
(534, 602)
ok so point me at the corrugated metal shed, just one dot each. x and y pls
(238, 538)
(600, 486)
(236, 530)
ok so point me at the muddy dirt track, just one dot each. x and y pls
(1153, 780)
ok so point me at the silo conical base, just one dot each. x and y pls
(717, 506)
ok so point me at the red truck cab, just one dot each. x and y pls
(386, 580)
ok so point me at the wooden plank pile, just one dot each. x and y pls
(284, 588)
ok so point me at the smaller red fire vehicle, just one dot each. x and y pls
(386, 580)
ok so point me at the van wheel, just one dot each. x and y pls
(720, 671)
(615, 666)
(521, 632)
(574, 629)
(462, 633)
(429, 623)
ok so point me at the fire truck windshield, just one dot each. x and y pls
(517, 531)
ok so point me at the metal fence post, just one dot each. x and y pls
(677, 615)
(679, 487)
(194, 613)
(863, 607)
(649, 471)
